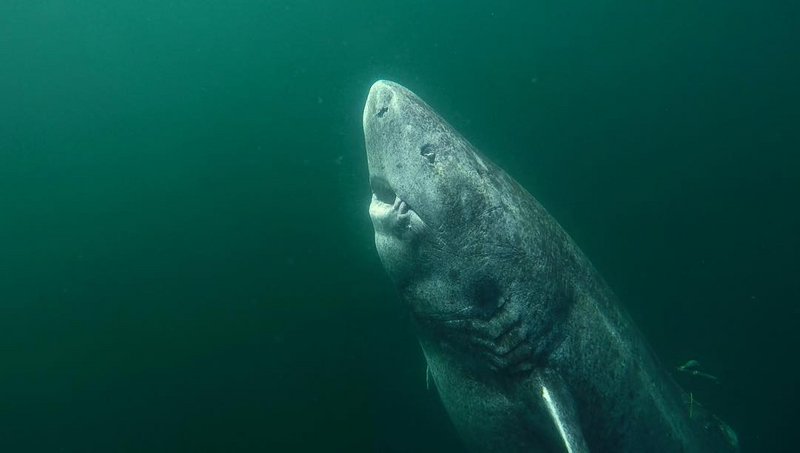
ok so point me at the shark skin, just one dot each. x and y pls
(526, 344)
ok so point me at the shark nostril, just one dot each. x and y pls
(382, 111)
(383, 192)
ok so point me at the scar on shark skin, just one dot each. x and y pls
(426, 151)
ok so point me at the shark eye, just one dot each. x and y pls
(486, 295)
(427, 152)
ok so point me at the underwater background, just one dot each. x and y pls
(186, 259)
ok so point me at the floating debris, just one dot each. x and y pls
(692, 367)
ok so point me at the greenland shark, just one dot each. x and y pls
(527, 346)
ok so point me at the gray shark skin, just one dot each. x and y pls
(526, 344)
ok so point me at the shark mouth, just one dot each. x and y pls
(384, 195)
(382, 190)
(389, 212)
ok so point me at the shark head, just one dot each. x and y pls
(452, 230)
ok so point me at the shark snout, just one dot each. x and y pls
(385, 205)
(397, 179)
(379, 101)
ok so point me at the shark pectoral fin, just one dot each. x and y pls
(551, 396)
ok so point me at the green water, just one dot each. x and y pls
(187, 262)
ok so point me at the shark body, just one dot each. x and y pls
(526, 344)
